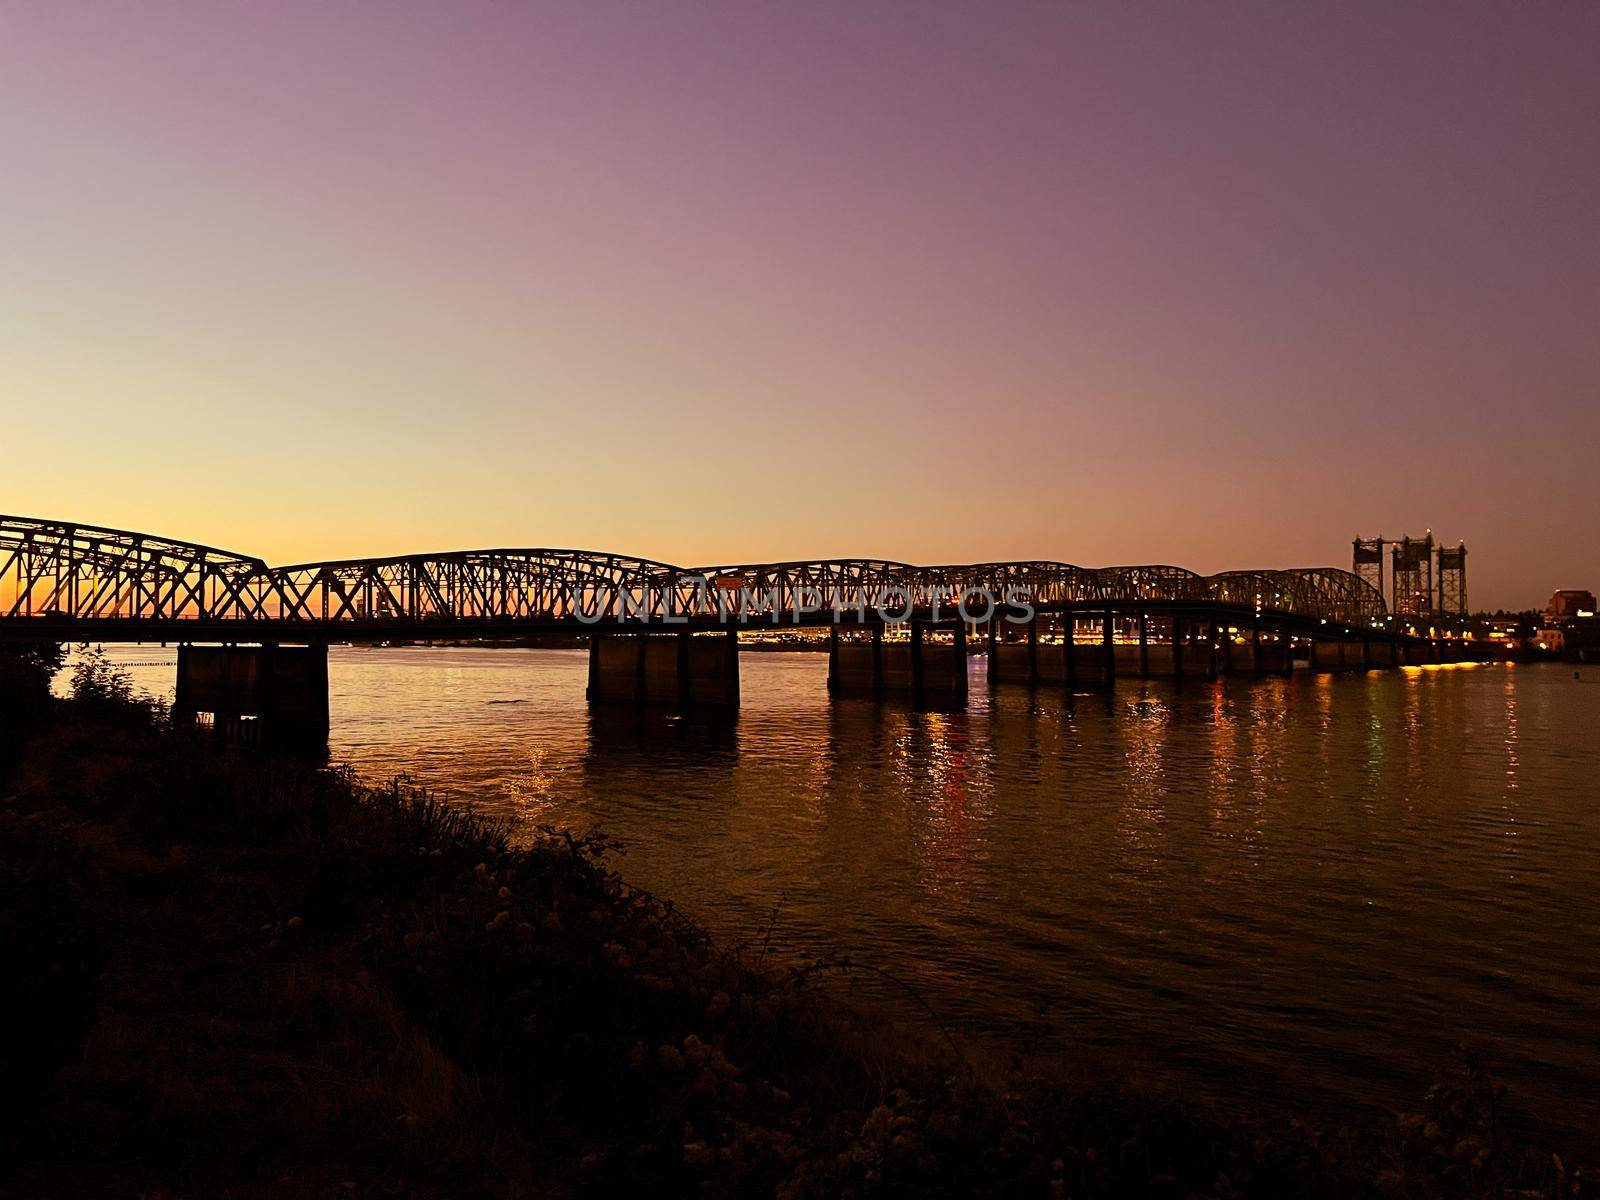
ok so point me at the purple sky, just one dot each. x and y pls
(1215, 284)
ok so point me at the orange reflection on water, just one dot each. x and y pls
(1145, 728)
(1511, 731)
(950, 782)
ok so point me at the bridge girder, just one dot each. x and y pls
(474, 585)
(1322, 593)
(75, 571)
(95, 571)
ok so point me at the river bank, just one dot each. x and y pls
(249, 977)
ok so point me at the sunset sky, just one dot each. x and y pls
(1221, 285)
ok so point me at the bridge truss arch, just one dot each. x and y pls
(488, 586)
(94, 574)
(1319, 593)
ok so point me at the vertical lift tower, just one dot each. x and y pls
(1424, 578)
(1453, 580)
(1412, 577)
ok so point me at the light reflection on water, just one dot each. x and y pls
(1315, 887)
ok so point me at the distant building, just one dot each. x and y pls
(1570, 602)
(1570, 626)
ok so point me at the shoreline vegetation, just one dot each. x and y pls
(243, 976)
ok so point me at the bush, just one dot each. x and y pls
(97, 683)
(26, 671)
(102, 689)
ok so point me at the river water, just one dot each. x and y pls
(1313, 888)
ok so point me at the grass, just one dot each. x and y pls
(246, 977)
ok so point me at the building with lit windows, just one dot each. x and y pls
(1570, 626)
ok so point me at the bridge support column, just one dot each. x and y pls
(1155, 656)
(1014, 662)
(1129, 660)
(855, 668)
(711, 666)
(1091, 665)
(958, 663)
(1109, 643)
(1278, 658)
(1039, 662)
(266, 696)
(992, 635)
(1260, 655)
(679, 668)
(923, 669)
(1331, 655)
(939, 669)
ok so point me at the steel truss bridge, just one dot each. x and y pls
(73, 582)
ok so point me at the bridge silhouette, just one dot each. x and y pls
(894, 626)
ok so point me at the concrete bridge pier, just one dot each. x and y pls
(926, 670)
(855, 664)
(1258, 653)
(1201, 656)
(1014, 661)
(1244, 651)
(1337, 654)
(1188, 651)
(1221, 648)
(1090, 665)
(1166, 657)
(940, 667)
(1414, 654)
(681, 668)
(1277, 656)
(1230, 650)
(1108, 646)
(267, 696)
(1057, 658)
(1130, 657)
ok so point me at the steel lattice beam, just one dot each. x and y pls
(76, 574)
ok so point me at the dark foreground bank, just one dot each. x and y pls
(236, 977)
